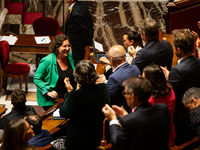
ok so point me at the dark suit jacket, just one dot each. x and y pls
(182, 77)
(147, 128)
(83, 107)
(15, 113)
(79, 28)
(154, 52)
(195, 119)
(115, 81)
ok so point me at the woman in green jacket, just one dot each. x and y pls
(52, 70)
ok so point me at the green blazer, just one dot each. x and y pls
(46, 77)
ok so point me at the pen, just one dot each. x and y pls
(43, 39)
(49, 119)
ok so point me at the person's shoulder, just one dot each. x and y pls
(30, 108)
(160, 106)
(49, 58)
(46, 132)
(79, 7)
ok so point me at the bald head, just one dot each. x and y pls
(117, 52)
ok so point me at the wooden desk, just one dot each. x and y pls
(27, 44)
(2, 110)
(53, 125)
(48, 123)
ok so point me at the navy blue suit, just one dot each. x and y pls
(145, 129)
(115, 81)
(155, 52)
(182, 77)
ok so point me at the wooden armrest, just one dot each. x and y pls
(46, 147)
(87, 52)
(184, 145)
(2, 111)
(52, 109)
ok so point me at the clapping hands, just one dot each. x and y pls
(68, 84)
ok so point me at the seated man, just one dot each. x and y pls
(18, 100)
(122, 70)
(146, 128)
(191, 101)
(42, 136)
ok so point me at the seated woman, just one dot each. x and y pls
(162, 93)
(16, 135)
(52, 70)
(83, 107)
(133, 42)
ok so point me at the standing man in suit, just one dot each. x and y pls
(146, 128)
(121, 71)
(79, 28)
(182, 77)
(191, 101)
(155, 51)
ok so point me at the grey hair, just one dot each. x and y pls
(193, 92)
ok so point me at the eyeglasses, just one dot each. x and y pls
(124, 93)
(29, 127)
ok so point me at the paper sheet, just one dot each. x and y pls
(56, 114)
(42, 39)
(98, 46)
(95, 66)
(10, 39)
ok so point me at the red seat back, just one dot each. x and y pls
(46, 26)
(4, 53)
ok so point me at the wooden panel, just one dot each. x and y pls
(183, 14)
(167, 37)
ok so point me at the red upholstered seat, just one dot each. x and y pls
(46, 26)
(17, 68)
(13, 70)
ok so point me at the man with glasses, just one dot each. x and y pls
(155, 51)
(147, 128)
(121, 71)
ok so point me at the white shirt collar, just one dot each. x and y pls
(118, 67)
(179, 61)
(70, 7)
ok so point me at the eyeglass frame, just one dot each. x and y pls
(124, 93)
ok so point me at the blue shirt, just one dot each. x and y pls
(42, 139)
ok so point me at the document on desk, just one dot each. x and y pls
(42, 39)
(56, 114)
(98, 46)
(10, 39)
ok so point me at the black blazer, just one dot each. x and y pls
(83, 107)
(79, 28)
(195, 119)
(154, 52)
(182, 77)
(145, 129)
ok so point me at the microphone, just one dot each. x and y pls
(104, 145)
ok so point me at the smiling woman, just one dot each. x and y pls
(52, 70)
(16, 135)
